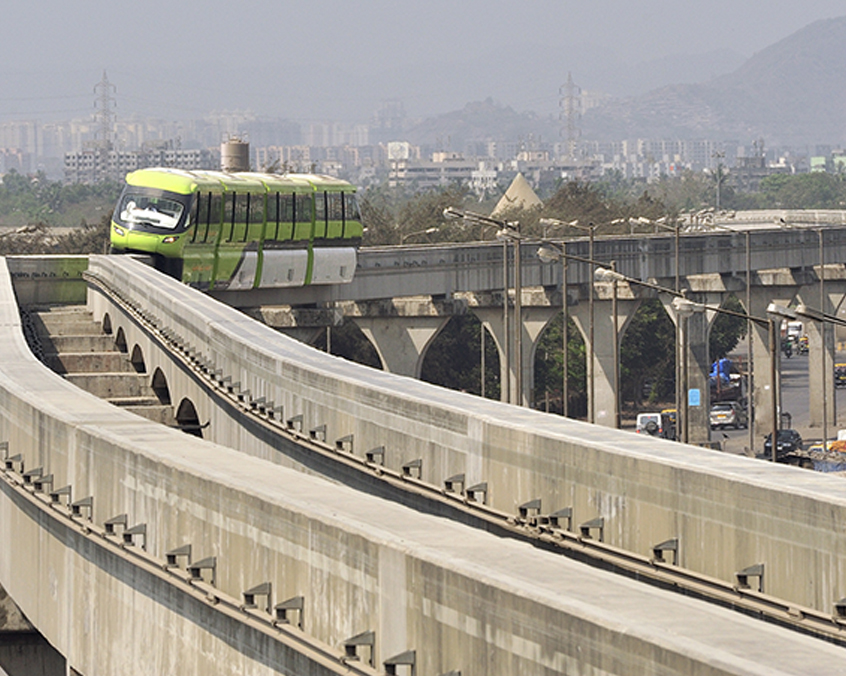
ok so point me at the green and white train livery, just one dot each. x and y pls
(239, 231)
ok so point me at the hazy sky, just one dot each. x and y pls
(340, 58)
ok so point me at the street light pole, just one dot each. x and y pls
(507, 231)
(510, 232)
(518, 316)
(550, 252)
(614, 313)
(773, 390)
(676, 228)
(591, 312)
(775, 311)
(506, 334)
(589, 351)
(482, 359)
(824, 343)
(750, 378)
(684, 308)
(565, 338)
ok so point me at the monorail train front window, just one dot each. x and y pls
(143, 211)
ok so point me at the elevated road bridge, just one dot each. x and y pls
(337, 519)
(402, 297)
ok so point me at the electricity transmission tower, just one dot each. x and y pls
(105, 117)
(571, 111)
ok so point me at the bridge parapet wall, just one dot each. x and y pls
(730, 512)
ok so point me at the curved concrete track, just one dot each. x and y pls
(431, 590)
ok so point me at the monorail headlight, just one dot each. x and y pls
(120, 232)
(170, 239)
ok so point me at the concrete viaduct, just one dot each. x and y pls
(336, 519)
(403, 296)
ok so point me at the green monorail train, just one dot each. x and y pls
(239, 231)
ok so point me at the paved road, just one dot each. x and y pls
(794, 391)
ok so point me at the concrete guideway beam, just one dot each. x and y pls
(488, 455)
(646, 490)
(194, 491)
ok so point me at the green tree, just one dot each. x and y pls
(549, 368)
(585, 202)
(727, 330)
(816, 190)
(647, 355)
(394, 215)
(454, 358)
(349, 342)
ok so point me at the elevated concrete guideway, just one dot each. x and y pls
(455, 597)
(402, 296)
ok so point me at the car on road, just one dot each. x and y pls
(787, 442)
(649, 423)
(728, 414)
(655, 424)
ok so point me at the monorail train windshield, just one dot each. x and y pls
(154, 211)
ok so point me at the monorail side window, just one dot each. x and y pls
(198, 222)
(242, 214)
(242, 207)
(203, 216)
(272, 231)
(335, 206)
(302, 230)
(321, 211)
(303, 209)
(320, 207)
(286, 208)
(213, 223)
(256, 215)
(229, 214)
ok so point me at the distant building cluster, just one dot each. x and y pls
(93, 164)
(79, 152)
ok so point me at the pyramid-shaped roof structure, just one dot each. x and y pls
(518, 196)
